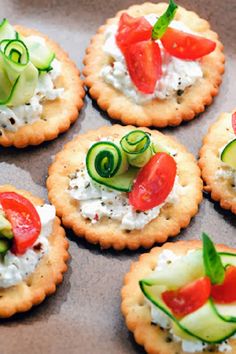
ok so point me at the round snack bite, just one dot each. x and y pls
(180, 298)
(33, 251)
(147, 70)
(218, 161)
(41, 91)
(122, 187)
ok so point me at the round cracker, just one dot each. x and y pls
(58, 114)
(48, 273)
(159, 113)
(107, 232)
(221, 190)
(137, 311)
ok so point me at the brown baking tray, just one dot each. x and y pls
(84, 314)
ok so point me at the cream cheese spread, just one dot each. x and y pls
(97, 201)
(161, 319)
(177, 74)
(15, 268)
(11, 118)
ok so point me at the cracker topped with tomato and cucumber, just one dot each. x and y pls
(218, 161)
(33, 251)
(41, 91)
(181, 298)
(154, 65)
(125, 187)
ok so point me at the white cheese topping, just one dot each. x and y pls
(161, 319)
(11, 118)
(13, 268)
(98, 201)
(177, 74)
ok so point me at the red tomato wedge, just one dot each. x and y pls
(24, 219)
(189, 298)
(143, 60)
(234, 122)
(132, 30)
(226, 293)
(185, 45)
(154, 182)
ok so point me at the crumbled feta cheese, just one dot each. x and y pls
(98, 201)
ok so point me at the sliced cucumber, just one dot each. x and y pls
(40, 54)
(203, 324)
(5, 245)
(6, 30)
(228, 311)
(137, 146)
(228, 155)
(123, 182)
(107, 164)
(179, 273)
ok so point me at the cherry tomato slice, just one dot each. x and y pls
(189, 298)
(234, 122)
(132, 30)
(143, 60)
(154, 182)
(24, 219)
(226, 293)
(185, 45)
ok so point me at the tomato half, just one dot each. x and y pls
(132, 30)
(143, 60)
(234, 122)
(24, 219)
(189, 298)
(185, 45)
(154, 182)
(226, 293)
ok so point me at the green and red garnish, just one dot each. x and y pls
(198, 293)
(137, 40)
(133, 166)
(24, 219)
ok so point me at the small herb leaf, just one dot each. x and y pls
(213, 266)
(163, 22)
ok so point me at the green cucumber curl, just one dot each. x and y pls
(104, 159)
(138, 147)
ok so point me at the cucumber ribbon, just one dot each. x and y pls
(21, 60)
(137, 145)
(107, 164)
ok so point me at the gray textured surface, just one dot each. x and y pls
(84, 316)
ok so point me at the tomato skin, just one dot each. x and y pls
(24, 219)
(226, 293)
(154, 182)
(185, 45)
(132, 30)
(189, 298)
(143, 60)
(234, 122)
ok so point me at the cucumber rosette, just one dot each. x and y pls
(21, 61)
(138, 147)
(214, 320)
(107, 164)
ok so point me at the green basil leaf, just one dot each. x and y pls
(212, 262)
(163, 22)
